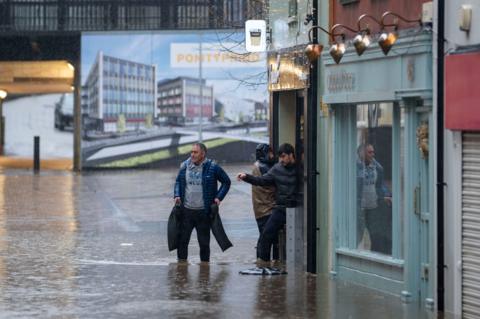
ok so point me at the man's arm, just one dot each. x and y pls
(381, 188)
(264, 180)
(225, 182)
(177, 194)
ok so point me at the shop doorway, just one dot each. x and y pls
(419, 217)
(288, 126)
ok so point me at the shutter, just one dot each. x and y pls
(471, 225)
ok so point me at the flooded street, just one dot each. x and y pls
(95, 246)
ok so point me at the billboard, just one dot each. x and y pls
(146, 97)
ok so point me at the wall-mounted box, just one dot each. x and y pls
(256, 35)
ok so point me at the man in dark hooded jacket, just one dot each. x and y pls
(263, 197)
(283, 175)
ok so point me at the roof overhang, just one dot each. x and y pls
(36, 77)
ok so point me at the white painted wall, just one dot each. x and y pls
(453, 34)
(453, 222)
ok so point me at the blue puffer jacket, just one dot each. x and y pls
(380, 187)
(211, 173)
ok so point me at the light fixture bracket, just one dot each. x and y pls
(313, 50)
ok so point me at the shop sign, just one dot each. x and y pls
(341, 82)
(288, 70)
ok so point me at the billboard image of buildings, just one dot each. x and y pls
(146, 97)
(120, 94)
(179, 100)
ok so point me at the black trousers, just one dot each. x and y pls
(269, 235)
(199, 220)
(379, 225)
(261, 222)
(378, 222)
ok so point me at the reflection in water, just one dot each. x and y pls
(200, 288)
(48, 224)
(37, 242)
(271, 296)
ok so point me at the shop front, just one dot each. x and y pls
(383, 205)
(289, 99)
(462, 171)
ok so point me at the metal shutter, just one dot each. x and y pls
(471, 225)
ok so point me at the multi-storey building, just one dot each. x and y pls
(179, 100)
(382, 96)
(261, 111)
(121, 91)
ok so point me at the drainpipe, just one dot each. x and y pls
(440, 153)
(312, 157)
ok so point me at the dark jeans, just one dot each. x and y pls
(269, 235)
(378, 222)
(199, 220)
(261, 222)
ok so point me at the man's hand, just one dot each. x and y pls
(217, 201)
(388, 200)
(241, 176)
(178, 201)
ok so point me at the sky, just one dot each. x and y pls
(154, 48)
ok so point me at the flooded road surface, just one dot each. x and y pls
(95, 246)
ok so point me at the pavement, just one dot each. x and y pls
(27, 163)
(94, 245)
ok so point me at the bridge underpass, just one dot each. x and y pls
(33, 89)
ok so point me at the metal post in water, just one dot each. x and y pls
(294, 240)
(36, 153)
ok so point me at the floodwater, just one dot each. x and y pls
(94, 246)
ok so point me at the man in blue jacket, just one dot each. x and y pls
(196, 188)
(374, 201)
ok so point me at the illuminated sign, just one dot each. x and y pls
(256, 35)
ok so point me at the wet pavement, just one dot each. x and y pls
(94, 246)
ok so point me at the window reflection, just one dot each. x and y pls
(374, 177)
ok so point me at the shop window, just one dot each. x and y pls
(374, 178)
(368, 180)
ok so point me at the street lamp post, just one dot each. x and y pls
(200, 80)
(3, 95)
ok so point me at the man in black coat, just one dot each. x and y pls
(283, 175)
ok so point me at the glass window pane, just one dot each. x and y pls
(374, 177)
